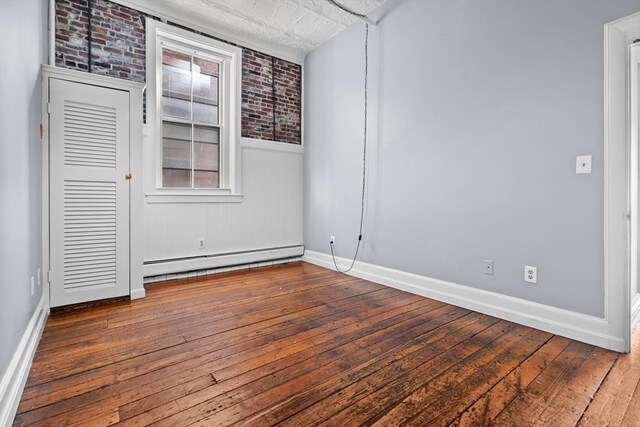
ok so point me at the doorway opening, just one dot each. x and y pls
(619, 264)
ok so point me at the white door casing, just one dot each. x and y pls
(634, 151)
(618, 35)
(89, 194)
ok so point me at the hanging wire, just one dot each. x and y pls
(346, 9)
(364, 145)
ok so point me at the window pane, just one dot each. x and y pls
(205, 156)
(206, 148)
(206, 134)
(205, 113)
(205, 90)
(176, 178)
(176, 108)
(176, 155)
(206, 179)
(176, 84)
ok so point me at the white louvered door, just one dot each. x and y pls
(89, 195)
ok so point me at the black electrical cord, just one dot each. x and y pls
(346, 9)
(364, 148)
(89, 34)
(273, 95)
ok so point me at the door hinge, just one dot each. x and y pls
(48, 108)
(48, 276)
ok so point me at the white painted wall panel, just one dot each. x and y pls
(269, 216)
(473, 155)
(23, 43)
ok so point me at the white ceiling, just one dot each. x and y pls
(285, 28)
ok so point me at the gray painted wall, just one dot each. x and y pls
(23, 44)
(482, 108)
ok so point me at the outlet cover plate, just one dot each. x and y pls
(530, 274)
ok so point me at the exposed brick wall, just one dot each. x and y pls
(288, 105)
(118, 38)
(72, 22)
(118, 50)
(257, 95)
(264, 78)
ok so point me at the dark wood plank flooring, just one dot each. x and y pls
(301, 345)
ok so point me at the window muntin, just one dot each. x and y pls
(191, 125)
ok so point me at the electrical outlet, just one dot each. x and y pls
(201, 243)
(530, 274)
(488, 267)
(33, 285)
(332, 240)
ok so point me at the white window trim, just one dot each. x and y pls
(157, 35)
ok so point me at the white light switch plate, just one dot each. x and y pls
(488, 267)
(583, 164)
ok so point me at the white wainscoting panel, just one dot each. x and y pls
(269, 216)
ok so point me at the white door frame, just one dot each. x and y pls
(618, 35)
(136, 195)
(634, 104)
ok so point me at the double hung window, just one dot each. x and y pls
(193, 113)
(191, 127)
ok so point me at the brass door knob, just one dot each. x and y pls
(128, 176)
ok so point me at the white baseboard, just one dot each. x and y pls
(217, 261)
(577, 326)
(16, 375)
(137, 293)
(635, 311)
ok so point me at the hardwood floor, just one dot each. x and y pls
(300, 345)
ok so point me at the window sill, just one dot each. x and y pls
(171, 197)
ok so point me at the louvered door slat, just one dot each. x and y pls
(96, 253)
(81, 117)
(90, 265)
(89, 196)
(89, 141)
